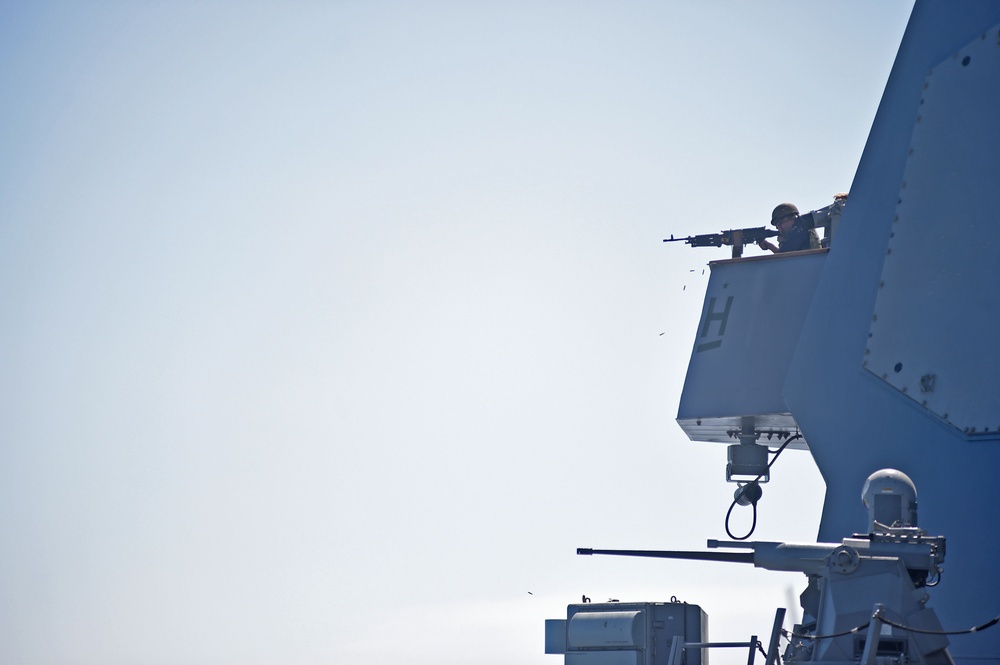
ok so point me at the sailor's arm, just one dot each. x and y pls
(767, 244)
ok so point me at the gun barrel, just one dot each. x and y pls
(733, 237)
(673, 239)
(735, 557)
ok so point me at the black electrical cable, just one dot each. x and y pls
(753, 525)
(790, 633)
(975, 629)
(778, 452)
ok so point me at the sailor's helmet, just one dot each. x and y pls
(783, 210)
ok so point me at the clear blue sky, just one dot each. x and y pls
(329, 330)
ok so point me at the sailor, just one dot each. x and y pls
(794, 236)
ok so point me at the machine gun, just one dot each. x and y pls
(920, 555)
(738, 238)
(855, 586)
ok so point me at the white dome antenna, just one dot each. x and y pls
(891, 499)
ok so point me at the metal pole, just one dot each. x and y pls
(772, 648)
(753, 650)
(676, 651)
(873, 636)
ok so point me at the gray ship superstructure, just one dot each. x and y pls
(889, 383)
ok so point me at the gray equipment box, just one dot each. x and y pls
(626, 633)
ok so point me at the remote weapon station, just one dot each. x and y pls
(891, 387)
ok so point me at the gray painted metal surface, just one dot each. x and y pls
(934, 329)
(634, 633)
(855, 420)
(751, 305)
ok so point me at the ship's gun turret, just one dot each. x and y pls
(804, 558)
(880, 574)
(920, 554)
(848, 583)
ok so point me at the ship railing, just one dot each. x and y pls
(678, 646)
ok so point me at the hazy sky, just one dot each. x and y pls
(329, 330)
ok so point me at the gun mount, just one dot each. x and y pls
(854, 585)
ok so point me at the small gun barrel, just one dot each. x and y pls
(713, 544)
(735, 557)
